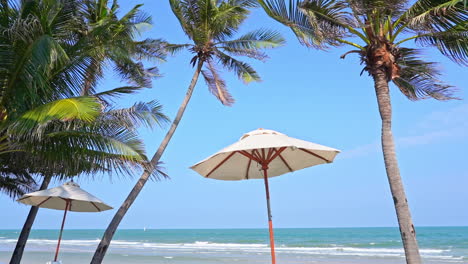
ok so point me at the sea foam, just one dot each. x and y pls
(207, 247)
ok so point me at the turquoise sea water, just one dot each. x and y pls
(312, 245)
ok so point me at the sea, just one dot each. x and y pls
(438, 245)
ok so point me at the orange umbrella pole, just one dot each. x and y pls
(270, 223)
(61, 229)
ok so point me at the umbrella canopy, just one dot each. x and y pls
(264, 150)
(57, 198)
(282, 153)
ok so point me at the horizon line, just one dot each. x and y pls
(233, 228)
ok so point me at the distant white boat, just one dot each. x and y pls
(144, 229)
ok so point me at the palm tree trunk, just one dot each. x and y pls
(407, 231)
(110, 231)
(23, 238)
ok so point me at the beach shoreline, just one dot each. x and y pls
(112, 258)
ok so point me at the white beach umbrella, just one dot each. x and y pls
(67, 197)
(272, 152)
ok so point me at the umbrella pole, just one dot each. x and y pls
(61, 230)
(270, 223)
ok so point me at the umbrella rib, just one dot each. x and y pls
(43, 201)
(278, 152)
(251, 156)
(221, 163)
(316, 155)
(66, 201)
(248, 167)
(257, 156)
(97, 208)
(285, 163)
(270, 152)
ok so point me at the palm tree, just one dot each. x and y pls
(62, 149)
(211, 26)
(382, 28)
(42, 60)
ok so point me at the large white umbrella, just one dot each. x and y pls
(67, 197)
(267, 150)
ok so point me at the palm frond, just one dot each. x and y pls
(8, 146)
(158, 171)
(138, 19)
(244, 71)
(14, 186)
(176, 48)
(82, 108)
(244, 3)
(151, 50)
(330, 18)
(29, 76)
(148, 114)
(216, 85)
(291, 16)
(252, 43)
(251, 53)
(452, 43)
(84, 152)
(180, 8)
(255, 40)
(133, 72)
(117, 140)
(434, 15)
(419, 79)
(225, 17)
(383, 7)
(118, 92)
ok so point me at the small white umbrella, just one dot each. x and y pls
(274, 152)
(67, 197)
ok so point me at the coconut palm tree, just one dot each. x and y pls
(378, 32)
(211, 25)
(44, 59)
(65, 148)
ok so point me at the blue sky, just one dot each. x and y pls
(307, 94)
